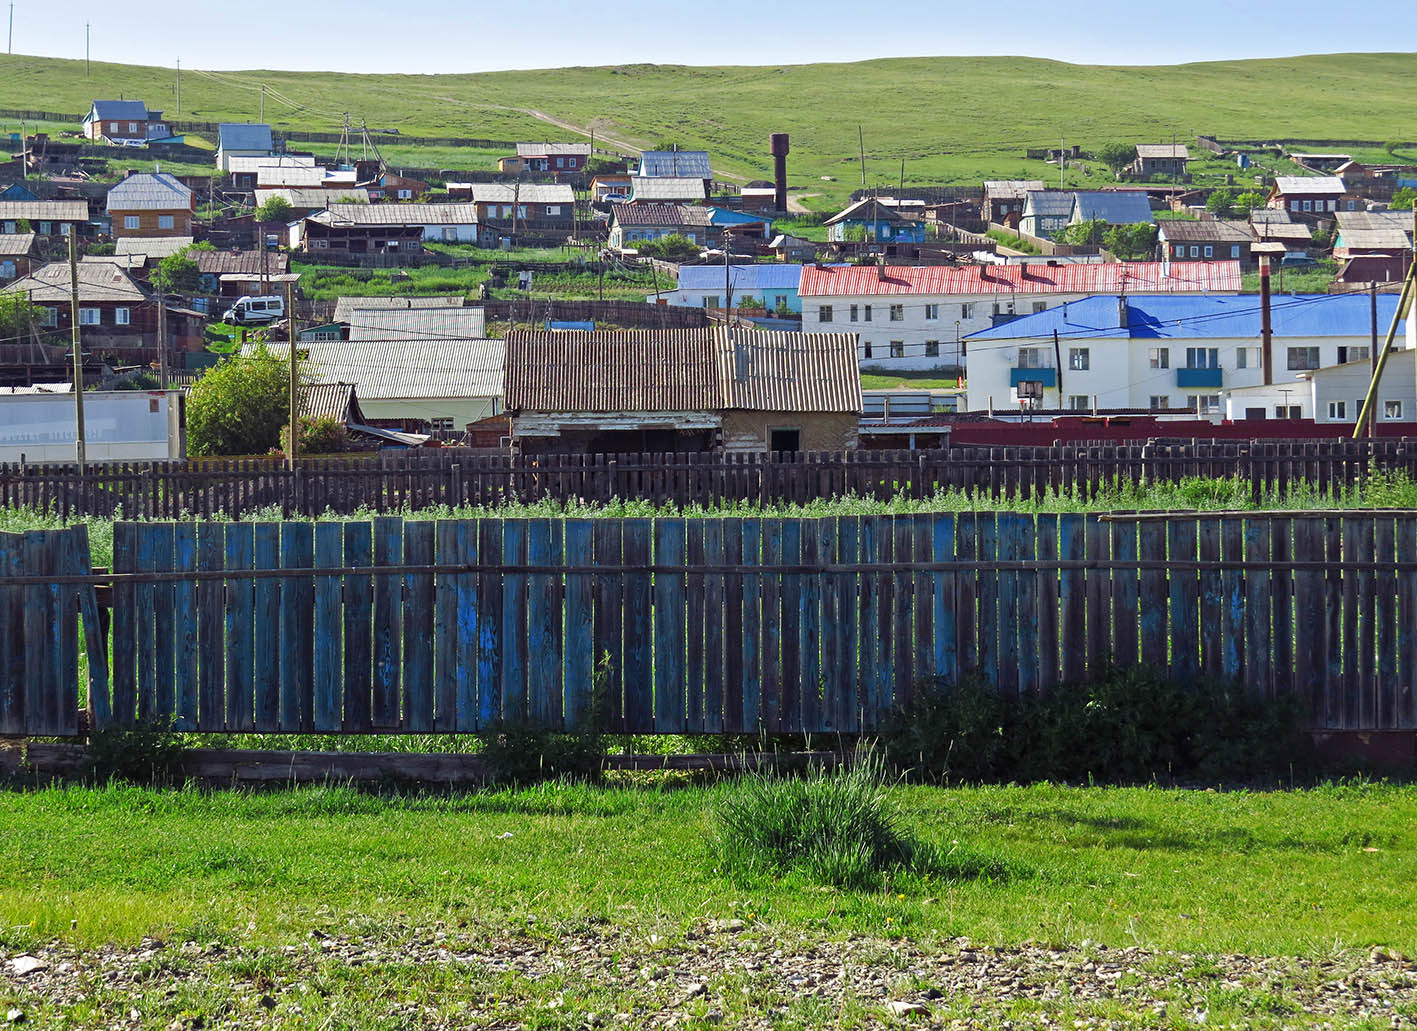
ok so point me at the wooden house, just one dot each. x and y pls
(123, 120)
(872, 221)
(1209, 240)
(1005, 197)
(17, 255)
(384, 228)
(530, 207)
(1160, 159)
(546, 157)
(242, 140)
(46, 219)
(115, 316)
(702, 390)
(1308, 194)
(631, 224)
(217, 267)
(151, 204)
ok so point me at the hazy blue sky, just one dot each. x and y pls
(362, 35)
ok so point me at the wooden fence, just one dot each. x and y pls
(409, 480)
(733, 625)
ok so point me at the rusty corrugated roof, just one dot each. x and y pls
(682, 370)
(1035, 278)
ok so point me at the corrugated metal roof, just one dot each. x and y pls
(1312, 184)
(777, 276)
(98, 281)
(946, 280)
(402, 214)
(328, 401)
(1163, 150)
(244, 136)
(305, 176)
(346, 306)
(1212, 317)
(668, 188)
(872, 209)
(313, 197)
(44, 210)
(119, 110)
(1374, 239)
(682, 370)
(123, 261)
(687, 163)
(1049, 202)
(660, 215)
(1270, 216)
(255, 164)
(1115, 207)
(222, 263)
(1010, 189)
(408, 369)
(1218, 231)
(527, 193)
(391, 323)
(150, 191)
(13, 244)
(155, 247)
(539, 150)
(1291, 231)
(1399, 220)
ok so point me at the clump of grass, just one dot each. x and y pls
(837, 827)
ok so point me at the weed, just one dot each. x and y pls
(519, 753)
(148, 752)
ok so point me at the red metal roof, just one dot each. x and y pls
(1133, 277)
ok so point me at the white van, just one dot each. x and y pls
(248, 310)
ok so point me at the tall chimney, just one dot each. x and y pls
(779, 158)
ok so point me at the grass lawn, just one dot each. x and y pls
(354, 908)
(907, 381)
(1311, 279)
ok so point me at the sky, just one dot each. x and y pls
(365, 36)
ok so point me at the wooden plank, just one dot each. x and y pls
(821, 643)
(1025, 548)
(125, 625)
(1404, 713)
(714, 551)
(265, 617)
(1212, 621)
(419, 630)
(791, 588)
(1153, 621)
(12, 653)
(95, 640)
(387, 632)
(966, 609)
(1309, 623)
(165, 621)
(1352, 644)
(445, 628)
(987, 529)
(1046, 548)
(1125, 628)
(735, 646)
(327, 686)
(1008, 524)
(42, 646)
(476, 687)
(695, 626)
(543, 624)
(1232, 601)
(1184, 600)
(843, 679)
(1366, 639)
(1282, 603)
(902, 661)
(638, 627)
(240, 639)
(1258, 670)
(669, 629)
(751, 721)
(211, 632)
(514, 631)
(869, 653)
(297, 602)
(358, 630)
(183, 603)
(64, 704)
(1072, 598)
(145, 622)
(609, 599)
(1334, 695)
(582, 707)
(770, 650)
(1385, 616)
(1098, 542)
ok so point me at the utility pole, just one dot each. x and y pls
(262, 119)
(86, 50)
(294, 449)
(727, 283)
(162, 339)
(1373, 352)
(179, 87)
(80, 450)
(10, 45)
(861, 142)
(1058, 366)
(1062, 163)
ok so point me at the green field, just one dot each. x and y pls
(957, 120)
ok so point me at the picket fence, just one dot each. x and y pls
(453, 477)
(728, 625)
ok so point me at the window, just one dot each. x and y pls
(868, 314)
(784, 439)
(1290, 412)
(885, 232)
(521, 211)
(45, 228)
(932, 349)
(553, 209)
(897, 348)
(932, 311)
(1195, 251)
(10, 227)
(1392, 409)
(1242, 357)
(1039, 306)
(1234, 250)
(164, 222)
(824, 312)
(1352, 354)
(1338, 409)
(1159, 402)
(1079, 359)
(711, 301)
(966, 311)
(89, 317)
(130, 221)
(112, 126)
(132, 126)
(853, 313)
(7, 269)
(866, 348)
(121, 316)
(1180, 250)
(560, 162)
(1202, 357)
(1308, 205)
(1293, 205)
(48, 317)
(405, 195)
(1301, 358)
(1033, 358)
(897, 313)
(320, 245)
(1204, 404)
(64, 228)
(1209, 251)
(1078, 402)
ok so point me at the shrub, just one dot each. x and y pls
(519, 754)
(836, 827)
(148, 752)
(319, 435)
(239, 406)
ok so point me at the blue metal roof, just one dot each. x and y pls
(688, 164)
(244, 136)
(728, 217)
(120, 110)
(1204, 317)
(1115, 207)
(743, 277)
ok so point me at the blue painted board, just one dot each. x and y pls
(543, 626)
(770, 652)
(418, 630)
(388, 624)
(327, 659)
(750, 687)
(489, 628)
(266, 622)
(185, 616)
(125, 627)
(297, 625)
(445, 628)
(164, 540)
(669, 627)
(638, 627)
(358, 629)
(607, 598)
(515, 653)
(469, 630)
(713, 628)
(240, 641)
(578, 657)
(845, 702)
(145, 621)
(211, 631)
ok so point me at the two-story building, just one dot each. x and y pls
(151, 204)
(1163, 353)
(919, 317)
(242, 140)
(122, 121)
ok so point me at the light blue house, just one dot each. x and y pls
(870, 221)
(775, 285)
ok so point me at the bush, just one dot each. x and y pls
(149, 752)
(320, 435)
(517, 753)
(239, 406)
(1128, 726)
(836, 827)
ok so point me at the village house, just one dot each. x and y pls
(917, 317)
(425, 322)
(773, 287)
(1334, 394)
(701, 390)
(758, 198)
(1379, 241)
(1005, 197)
(668, 190)
(151, 204)
(1308, 194)
(605, 187)
(245, 171)
(796, 249)
(387, 186)
(46, 219)
(1273, 225)
(632, 224)
(1113, 207)
(115, 315)
(871, 220)
(546, 157)
(242, 140)
(1046, 212)
(1161, 353)
(675, 164)
(384, 228)
(216, 269)
(123, 120)
(1160, 159)
(529, 207)
(293, 176)
(308, 200)
(1185, 240)
(17, 255)
(349, 304)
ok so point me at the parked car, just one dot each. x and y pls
(1297, 261)
(251, 310)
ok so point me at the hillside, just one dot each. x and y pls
(949, 119)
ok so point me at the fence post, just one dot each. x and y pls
(149, 490)
(454, 485)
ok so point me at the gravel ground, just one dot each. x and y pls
(720, 973)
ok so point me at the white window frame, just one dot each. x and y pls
(90, 317)
(1209, 251)
(1159, 357)
(932, 311)
(1159, 402)
(897, 313)
(122, 316)
(130, 221)
(48, 316)
(166, 222)
(824, 313)
(966, 311)
(1338, 411)
(1079, 359)
(1392, 410)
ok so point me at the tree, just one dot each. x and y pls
(1131, 242)
(673, 247)
(239, 406)
(275, 209)
(1402, 198)
(1246, 202)
(177, 274)
(17, 315)
(1084, 234)
(1220, 203)
(1116, 156)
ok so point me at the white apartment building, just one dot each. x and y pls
(919, 317)
(1168, 353)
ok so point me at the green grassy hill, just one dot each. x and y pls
(949, 119)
